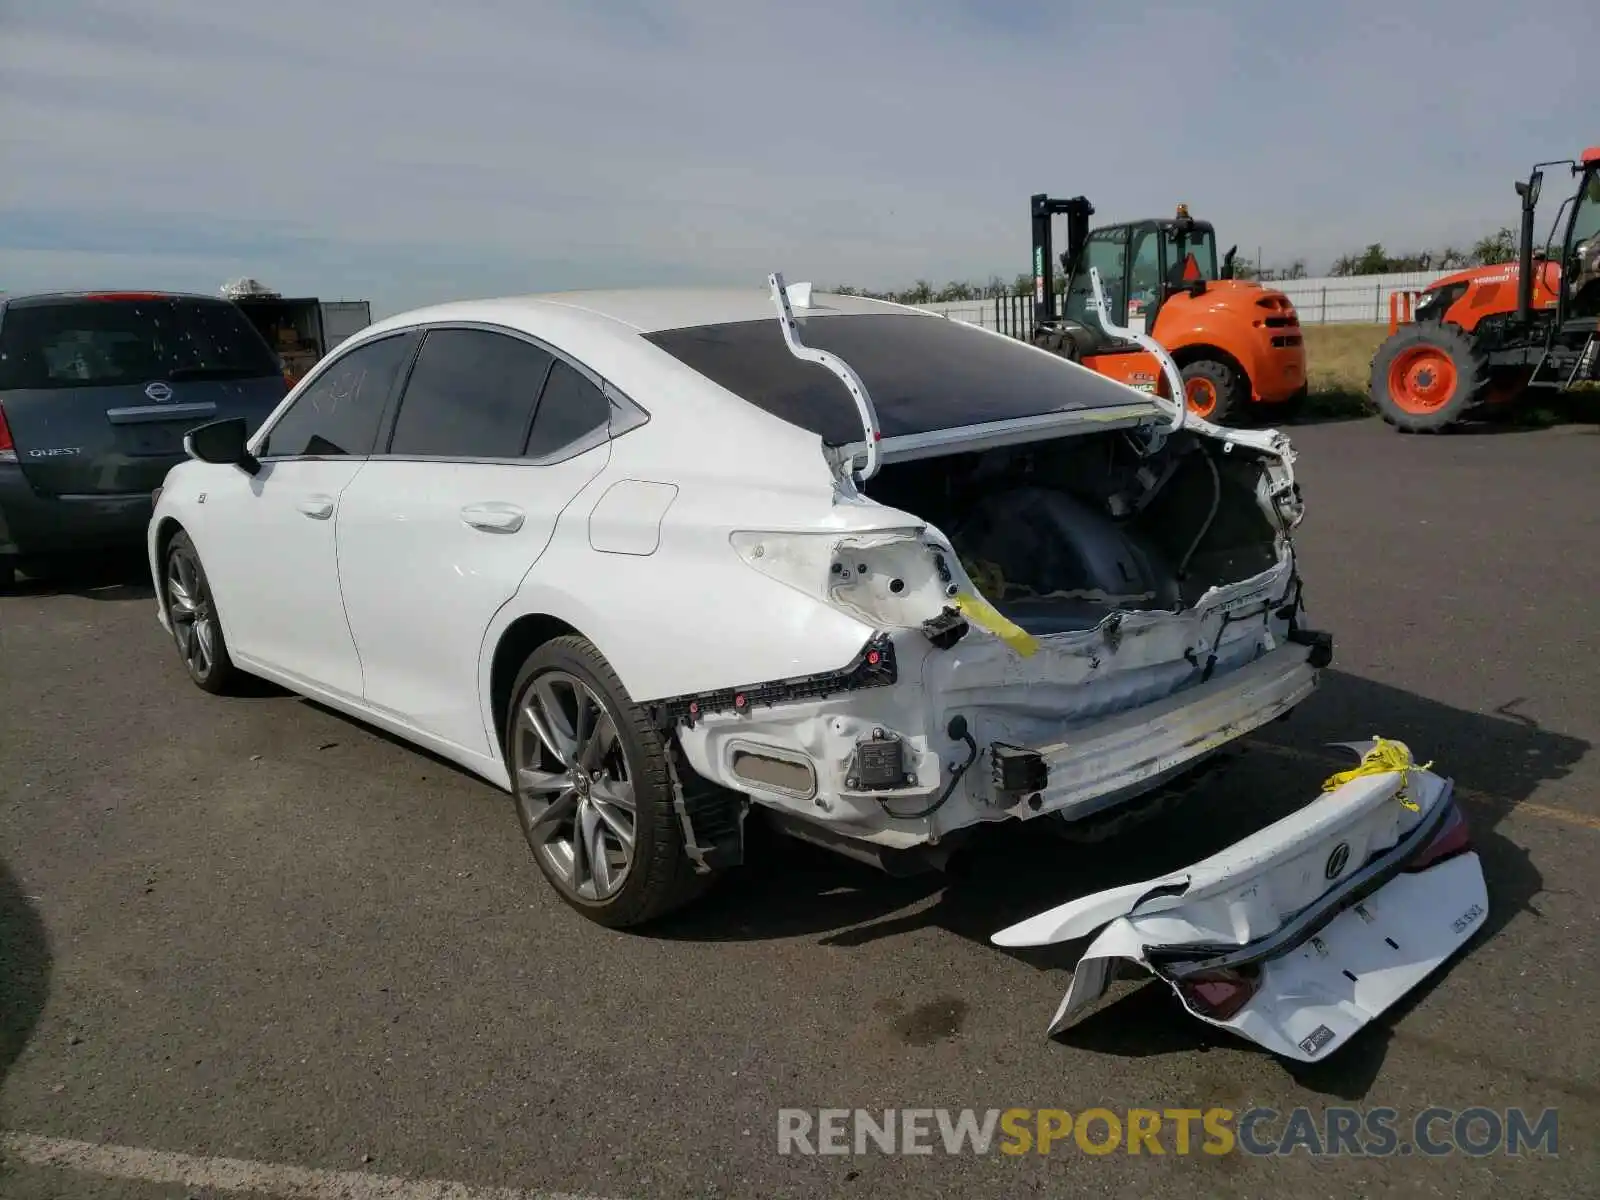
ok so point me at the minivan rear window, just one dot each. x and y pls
(923, 373)
(76, 342)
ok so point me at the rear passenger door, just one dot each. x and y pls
(493, 436)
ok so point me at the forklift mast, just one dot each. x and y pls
(1077, 210)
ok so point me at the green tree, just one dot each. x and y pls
(1498, 247)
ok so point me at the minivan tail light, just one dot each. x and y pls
(125, 296)
(8, 447)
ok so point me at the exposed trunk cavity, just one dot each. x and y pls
(1057, 534)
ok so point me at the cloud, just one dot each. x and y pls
(423, 151)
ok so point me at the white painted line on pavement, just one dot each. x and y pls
(136, 1164)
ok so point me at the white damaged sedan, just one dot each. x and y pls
(650, 560)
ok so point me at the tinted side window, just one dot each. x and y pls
(470, 395)
(570, 407)
(339, 413)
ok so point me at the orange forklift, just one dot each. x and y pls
(1237, 344)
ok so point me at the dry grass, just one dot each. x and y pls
(1338, 366)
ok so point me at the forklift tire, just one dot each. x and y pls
(1057, 342)
(1213, 390)
(1427, 376)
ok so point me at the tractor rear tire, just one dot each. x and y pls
(1428, 376)
(1214, 390)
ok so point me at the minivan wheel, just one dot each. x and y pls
(593, 792)
(192, 614)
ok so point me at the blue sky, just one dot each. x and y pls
(408, 152)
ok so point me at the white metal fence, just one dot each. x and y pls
(1331, 300)
(1345, 300)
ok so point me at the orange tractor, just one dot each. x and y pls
(1480, 338)
(1237, 344)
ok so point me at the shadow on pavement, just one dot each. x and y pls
(124, 575)
(24, 969)
(1007, 873)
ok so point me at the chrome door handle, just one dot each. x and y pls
(493, 517)
(318, 508)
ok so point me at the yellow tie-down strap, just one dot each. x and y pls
(1384, 757)
(984, 615)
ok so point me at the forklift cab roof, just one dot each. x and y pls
(1171, 224)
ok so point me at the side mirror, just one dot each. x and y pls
(1530, 191)
(223, 443)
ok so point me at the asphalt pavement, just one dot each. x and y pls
(248, 946)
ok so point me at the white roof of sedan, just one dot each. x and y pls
(650, 310)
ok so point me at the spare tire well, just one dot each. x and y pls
(525, 635)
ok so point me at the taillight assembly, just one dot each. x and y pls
(890, 578)
(1453, 838)
(8, 447)
(1220, 994)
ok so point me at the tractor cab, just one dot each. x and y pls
(1580, 255)
(1142, 264)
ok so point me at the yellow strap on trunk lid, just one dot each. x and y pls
(1384, 757)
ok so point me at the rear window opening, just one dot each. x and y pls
(924, 373)
(1058, 534)
(127, 339)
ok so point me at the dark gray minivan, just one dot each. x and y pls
(97, 390)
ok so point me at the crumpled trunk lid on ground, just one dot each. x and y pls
(1301, 934)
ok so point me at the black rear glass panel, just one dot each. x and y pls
(923, 373)
(75, 343)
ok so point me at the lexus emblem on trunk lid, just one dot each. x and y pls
(158, 391)
(1337, 860)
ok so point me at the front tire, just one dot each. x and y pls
(1428, 376)
(593, 791)
(192, 614)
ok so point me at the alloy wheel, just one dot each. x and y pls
(193, 617)
(572, 784)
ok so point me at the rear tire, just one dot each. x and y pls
(192, 614)
(602, 775)
(1428, 376)
(1214, 391)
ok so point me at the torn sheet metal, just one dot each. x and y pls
(1327, 916)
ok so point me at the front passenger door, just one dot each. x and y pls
(270, 552)
(493, 437)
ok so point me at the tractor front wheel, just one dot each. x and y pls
(1428, 376)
